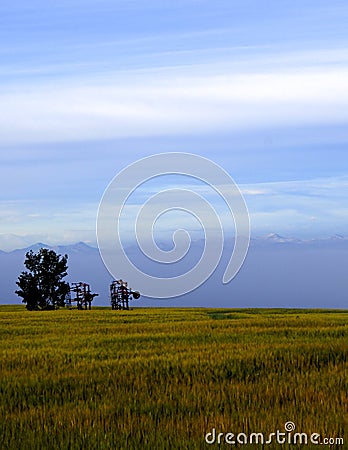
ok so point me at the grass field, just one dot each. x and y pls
(163, 378)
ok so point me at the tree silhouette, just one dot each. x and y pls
(41, 287)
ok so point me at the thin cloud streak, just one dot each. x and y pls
(313, 208)
(163, 104)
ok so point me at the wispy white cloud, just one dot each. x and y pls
(27, 222)
(163, 103)
(301, 207)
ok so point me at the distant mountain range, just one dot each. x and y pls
(278, 239)
(278, 272)
(273, 238)
(79, 247)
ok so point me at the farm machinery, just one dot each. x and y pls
(83, 295)
(120, 294)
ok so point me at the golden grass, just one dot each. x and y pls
(163, 378)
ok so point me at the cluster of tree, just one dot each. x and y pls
(42, 286)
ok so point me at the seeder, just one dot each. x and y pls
(120, 294)
(83, 295)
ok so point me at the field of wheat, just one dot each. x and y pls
(164, 378)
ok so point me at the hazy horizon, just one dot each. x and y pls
(311, 274)
(22, 242)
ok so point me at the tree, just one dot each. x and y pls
(41, 287)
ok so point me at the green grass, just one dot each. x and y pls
(163, 378)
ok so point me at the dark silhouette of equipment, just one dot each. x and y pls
(120, 295)
(83, 295)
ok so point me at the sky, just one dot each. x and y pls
(87, 88)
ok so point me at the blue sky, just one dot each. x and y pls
(87, 88)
